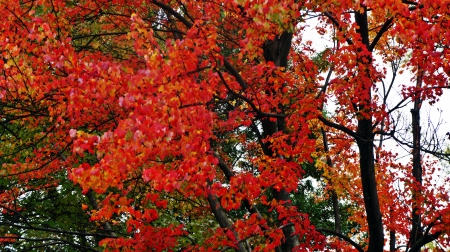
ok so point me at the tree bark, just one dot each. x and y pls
(392, 241)
(365, 142)
(277, 52)
(369, 184)
(93, 202)
(416, 227)
(223, 221)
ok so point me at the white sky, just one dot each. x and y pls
(437, 114)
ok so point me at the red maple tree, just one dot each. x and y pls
(183, 119)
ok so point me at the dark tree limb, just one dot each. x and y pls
(105, 225)
(416, 247)
(222, 219)
(53, 230)
(343, 237)
(365, 144)
(336, 23)
(277, 51)
(174, 13)
(338, 127)
(54, 241)
(416, 226)
(229, 174)
(252, 105)
(380, 33)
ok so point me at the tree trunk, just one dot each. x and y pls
(369, 184)
(365, 142)
(392, 247)
(416, 228)
(277, 51)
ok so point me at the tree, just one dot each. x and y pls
(190, 124)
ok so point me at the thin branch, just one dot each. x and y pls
(57, 241)
(334, 197)
(399, 105)
(441, 155)
(54, 230)
(327, 82)
(258, 111)
(388, 91)
(336, 23)
(18, 18)
(99, 35)
(58, 154)
(21, 216)
(343, 237)
(188, 24)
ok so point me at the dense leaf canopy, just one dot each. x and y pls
(222, 125)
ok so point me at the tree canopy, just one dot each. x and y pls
(222, 125)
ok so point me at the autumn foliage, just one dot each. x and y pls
(197, 125)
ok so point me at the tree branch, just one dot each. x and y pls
(57, 241)
(94, 205)
(338, 127)
(228, 174)
(99, 35)
(424, 240)
(440, 155)
(53, 230)
(334, 197)
(222, 219)
(258, 111)
(343, 237)
(336, 23)
(327, 82)
(173, 12)
(235, 73)
(380, 33)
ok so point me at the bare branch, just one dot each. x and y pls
(327, 82)
(440, 155)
